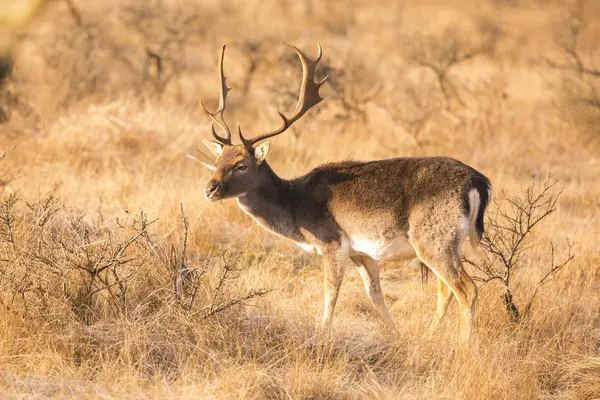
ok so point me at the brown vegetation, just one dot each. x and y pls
(99, 299)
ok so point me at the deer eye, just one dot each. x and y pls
(241, 167)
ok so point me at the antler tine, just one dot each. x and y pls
(219, 138)
(309, 96)
(217, 117)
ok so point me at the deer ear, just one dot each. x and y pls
(260, 152)
(214, 147)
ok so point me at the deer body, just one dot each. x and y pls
(360, 213)
(337, 202)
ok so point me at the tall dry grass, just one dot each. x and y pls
(119, 281)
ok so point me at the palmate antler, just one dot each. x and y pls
(217, 116)
(309, 97)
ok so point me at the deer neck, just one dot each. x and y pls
(268, 203)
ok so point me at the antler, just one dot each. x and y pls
(309, 97)
(217, 116)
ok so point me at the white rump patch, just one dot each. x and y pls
(474, 204)
(474, 201)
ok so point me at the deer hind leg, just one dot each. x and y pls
(450, 271)
(369, 272)
(444, 295)
(440, 251)
(334, 261)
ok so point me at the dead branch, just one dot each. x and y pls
(214, 309)
(506, 239)
(185, 279)
(551, 272)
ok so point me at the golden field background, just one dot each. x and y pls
(98, 301)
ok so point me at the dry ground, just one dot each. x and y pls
(88, 289)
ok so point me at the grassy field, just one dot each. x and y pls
(118, 280)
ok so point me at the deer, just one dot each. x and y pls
(354, 212)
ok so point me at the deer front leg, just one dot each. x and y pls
(369, 272)
(333, 277)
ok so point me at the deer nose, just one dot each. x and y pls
(212, 188)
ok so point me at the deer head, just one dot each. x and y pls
(236, 167)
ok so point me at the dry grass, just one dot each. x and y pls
(88, 308)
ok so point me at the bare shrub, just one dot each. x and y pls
(432, 93)
(441, 54)
(414, 106)
(579, 88)
(507, 241)
(354, 87)
(188, 282)
(84, 57)
(135, 47)
(53, 256)
(165, 32)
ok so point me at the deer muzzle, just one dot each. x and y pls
(213, 190)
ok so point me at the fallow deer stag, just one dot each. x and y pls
(363, 212)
